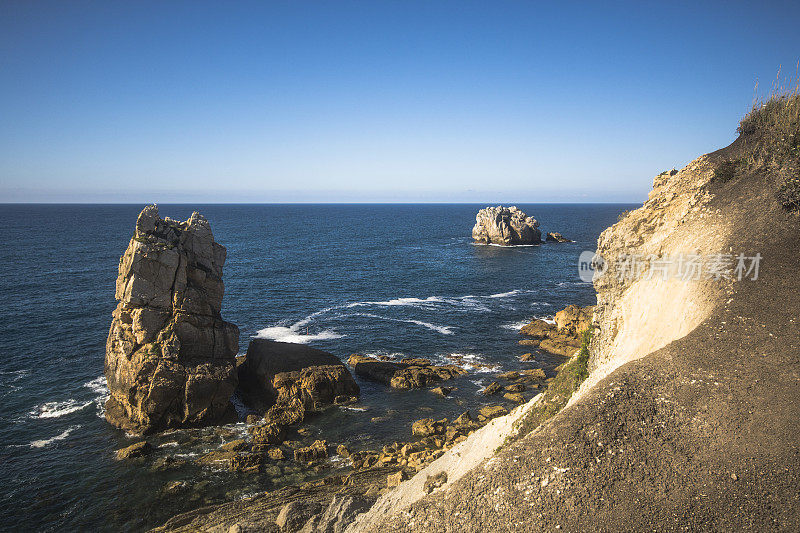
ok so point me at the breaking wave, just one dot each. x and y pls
(294, 335)
(46, 442)
(58, 409)
(516, 326)
(471, 303)
(444, 330)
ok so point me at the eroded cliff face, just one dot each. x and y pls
(650, 293)
(170, 357)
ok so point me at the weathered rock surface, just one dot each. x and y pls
(563, 337)
(572, 320)
(294, 515)
(170, 357)
(690, 410)
(278, 372)
(505, 226)
(405, 374)
(314, 452)
(139, 449)
(338, 515)
(556, 237)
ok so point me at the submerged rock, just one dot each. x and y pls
(139, 449)
(170, 357)
(505, 226)
(492, 388)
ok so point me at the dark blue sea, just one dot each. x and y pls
(397, 280)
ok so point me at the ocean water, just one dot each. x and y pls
(398, 280)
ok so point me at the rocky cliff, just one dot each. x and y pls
(170, 357)
(505, 226)
(689, 416)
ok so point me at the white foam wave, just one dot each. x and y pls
(516, 326)
(506, 294)
(310, 318)
(444, 330)
(426, 303)
(46, 442)
(99, 387)
(472, 362)
(410, 301)
(58, 409)
(292, 334)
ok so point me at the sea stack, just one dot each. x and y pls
(505, 226)
(170, 357)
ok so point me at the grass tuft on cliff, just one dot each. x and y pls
(560, 389)
(771, 133)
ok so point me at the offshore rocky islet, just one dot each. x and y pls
(510, 226)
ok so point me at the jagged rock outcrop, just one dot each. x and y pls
(562, 337)
(505, 226)
(286, 381)
(556, 237)
(278, 372)
(170, 357)
(572, 320)
(409, 373)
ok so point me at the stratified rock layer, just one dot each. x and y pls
(505, 226)
(170, 358)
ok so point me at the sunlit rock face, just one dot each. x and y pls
(505, 226)
(170, 357)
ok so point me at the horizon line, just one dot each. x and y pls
(320, 203)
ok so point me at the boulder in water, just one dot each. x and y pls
(405, 374)
(281, 376)
(505, 226)
(556, 237)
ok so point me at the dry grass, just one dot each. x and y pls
(771, 131)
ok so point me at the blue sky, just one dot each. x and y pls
(373, 101)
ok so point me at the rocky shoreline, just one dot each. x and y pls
(171, 276)
(369, 473)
